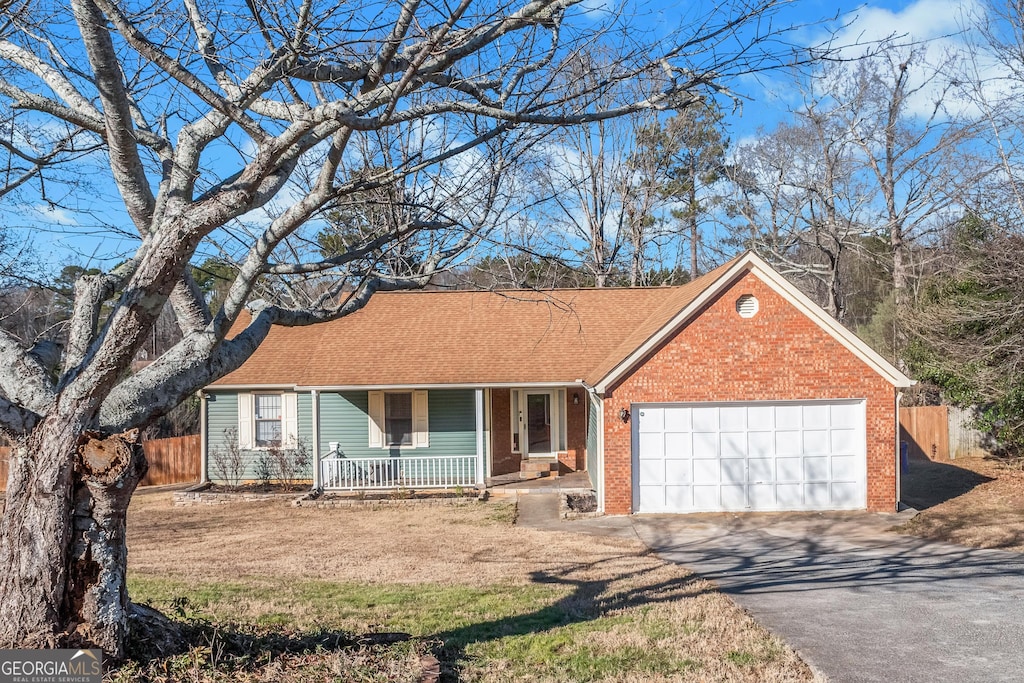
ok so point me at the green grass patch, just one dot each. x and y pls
(569, 653)
(740, 658)
(421, 610)
(527, 631)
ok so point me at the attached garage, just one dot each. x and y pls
(756, 456)
(749, 397)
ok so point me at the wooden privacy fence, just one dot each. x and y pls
(925, 429)
(5, 453)
(940, 433)
(171, 461)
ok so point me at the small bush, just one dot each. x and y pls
(226, 462)
(265, 466)
(288, 465)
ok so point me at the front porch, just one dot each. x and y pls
(496, 438)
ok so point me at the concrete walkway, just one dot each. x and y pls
(540, 511)
(858, 602)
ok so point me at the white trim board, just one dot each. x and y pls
(752, 263)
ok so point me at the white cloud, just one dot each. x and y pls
(52, 215)
(937, 21)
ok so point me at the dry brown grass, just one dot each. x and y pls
(976, 502)
(506, 603)
(447, 544)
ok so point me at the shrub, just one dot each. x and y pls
(226, 462)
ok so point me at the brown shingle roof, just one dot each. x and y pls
(469, 337)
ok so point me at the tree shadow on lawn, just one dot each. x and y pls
(588, 600)
(928, 483)
(209, 651)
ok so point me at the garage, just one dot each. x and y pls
(756, 456)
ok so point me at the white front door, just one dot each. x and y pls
(808, 455)
(538, 419)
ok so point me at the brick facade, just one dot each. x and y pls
(779, 354)
(504, 461)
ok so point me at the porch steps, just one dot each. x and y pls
(533, 469)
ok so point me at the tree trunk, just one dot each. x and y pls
(694, 225)
(63, 550)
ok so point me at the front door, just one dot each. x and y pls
(538, 424)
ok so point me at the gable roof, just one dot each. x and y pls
(518, 337)
(728, 274)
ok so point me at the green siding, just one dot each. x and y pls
(222, 414)
(305, 419)
(450, 412)
(593, 464)
(344, 419)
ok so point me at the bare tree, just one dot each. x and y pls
(872, 152)
(913, 146)
(206, 114)
(799, 202)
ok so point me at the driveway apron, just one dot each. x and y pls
(858, 602)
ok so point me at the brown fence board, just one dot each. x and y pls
(5, 454)
(172, 461)
(926, 431)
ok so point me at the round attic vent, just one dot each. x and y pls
(747, 306)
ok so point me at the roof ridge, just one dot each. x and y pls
(659, 288)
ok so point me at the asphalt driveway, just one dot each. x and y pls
(858, 602)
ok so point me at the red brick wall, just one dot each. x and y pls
(576, 427)
(503, 460)
(779, 354)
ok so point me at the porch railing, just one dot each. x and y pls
(434, 471)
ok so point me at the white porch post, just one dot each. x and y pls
(479, 437)
(315, 407)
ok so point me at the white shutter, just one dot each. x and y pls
(289, 420)
(244, 420)
(420, 422)
(375, 409)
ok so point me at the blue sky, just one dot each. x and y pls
(64, 236)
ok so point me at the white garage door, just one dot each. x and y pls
(700, 457)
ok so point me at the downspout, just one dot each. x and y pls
(204, 449)
(899, 452)
(314, 396)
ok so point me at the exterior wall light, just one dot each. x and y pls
(624, 415)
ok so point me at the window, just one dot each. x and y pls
(267, 420)
(398, 419)
(514, 399)
(267, 416)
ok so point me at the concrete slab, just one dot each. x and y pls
(859, 602)
(539, 511)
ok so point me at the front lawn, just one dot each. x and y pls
(303, 591)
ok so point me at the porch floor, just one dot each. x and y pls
(512, 484)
